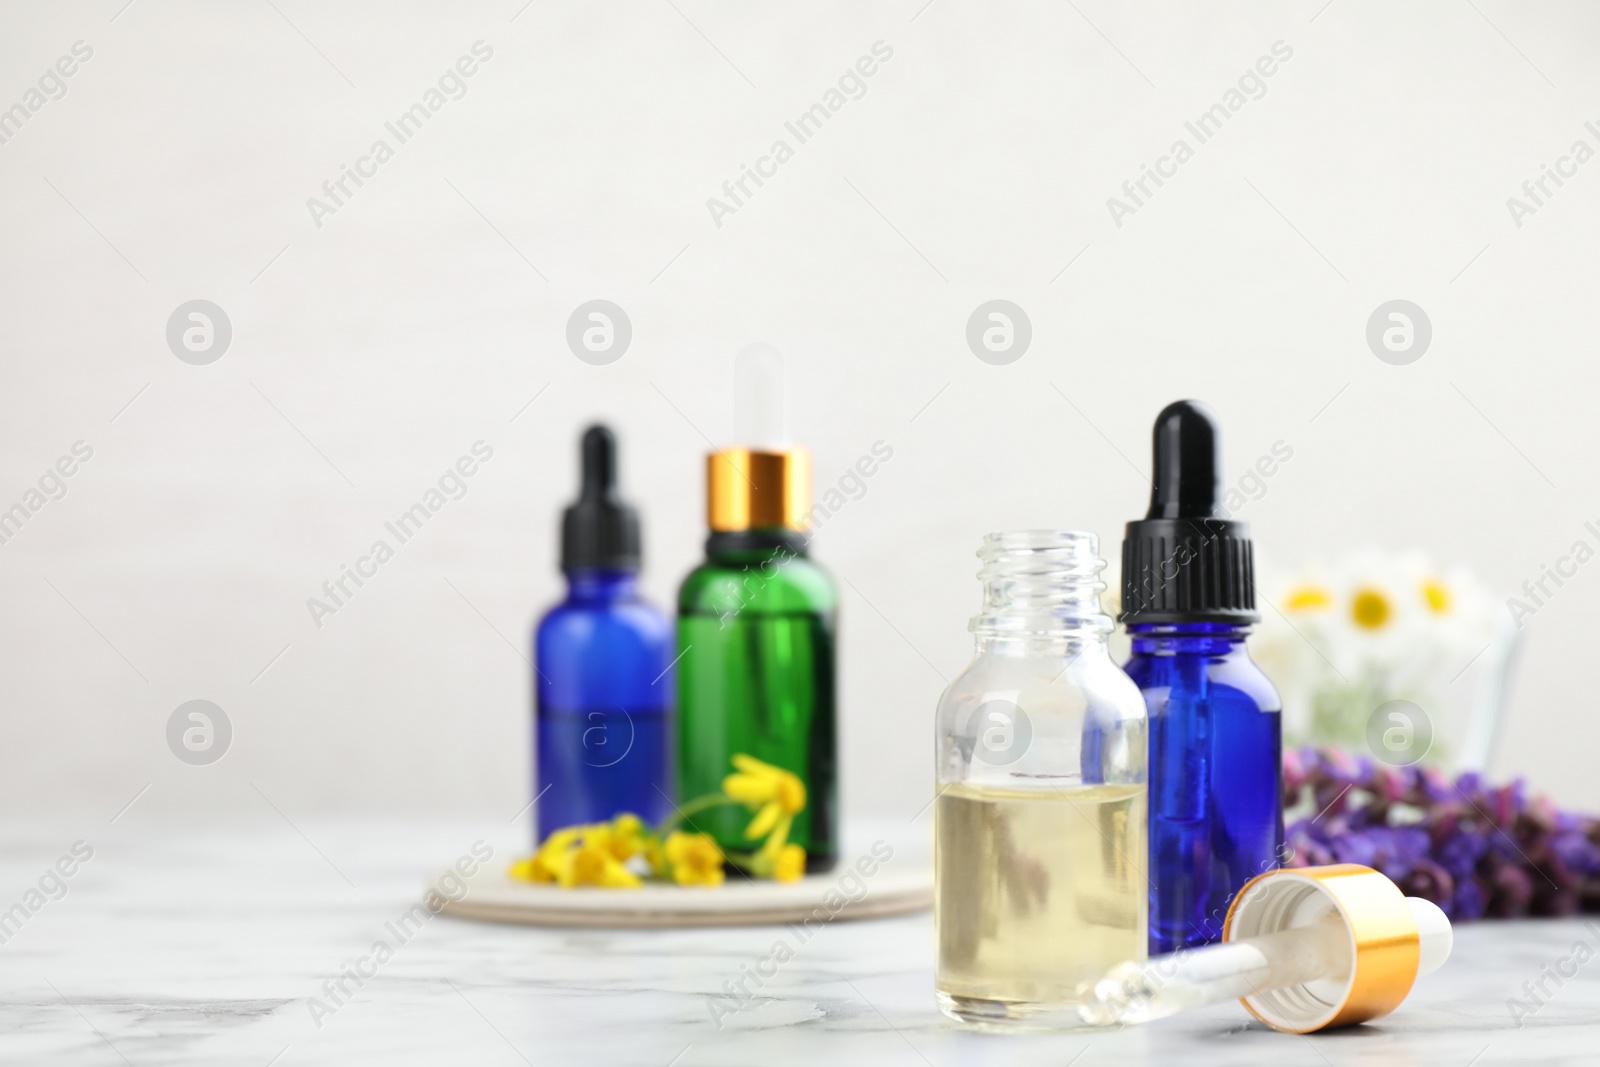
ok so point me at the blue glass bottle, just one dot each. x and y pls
(602, 668)
(1188, 599)
(1216, 819)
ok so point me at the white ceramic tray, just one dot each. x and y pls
(904, 884)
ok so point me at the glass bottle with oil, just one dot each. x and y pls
(1040, 853)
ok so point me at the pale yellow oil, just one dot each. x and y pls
(1037, 891)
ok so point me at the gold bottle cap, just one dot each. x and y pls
(752, 488)
(1393, 938)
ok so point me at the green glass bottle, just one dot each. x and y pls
(756, 629)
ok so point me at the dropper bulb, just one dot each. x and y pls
(1435, 938)
(598, 530)
(1187, 481)
(599, 464)
(759, 409)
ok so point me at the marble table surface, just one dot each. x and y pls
(204, 941)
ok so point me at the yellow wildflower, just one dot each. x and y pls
(695, 859)
(655, 853)
(543, 864)
(590, 860)
(1370, 609)
(791, 863)
(627, 836)
(1438, 596)
(531, 870)
(778, 858)
(771, 792)
(582, 855)
(1309, 598)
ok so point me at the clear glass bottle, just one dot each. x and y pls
(1040, 815)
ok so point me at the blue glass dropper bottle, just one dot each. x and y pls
(602, 667)
(1188, 600)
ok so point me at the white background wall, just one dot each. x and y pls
(425, 314)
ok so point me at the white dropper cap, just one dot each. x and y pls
(760, 413)
(1382, 940)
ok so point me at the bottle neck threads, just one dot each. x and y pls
(1040, 587)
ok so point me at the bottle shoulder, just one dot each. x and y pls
(602, 656)
(773, 585)
(630, 619)
(1037, 721)
(1234, 670)
(1087, 679)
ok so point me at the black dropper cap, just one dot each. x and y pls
(600, 530)
(1186, 561)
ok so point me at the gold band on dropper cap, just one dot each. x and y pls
(751, 488)
(1383, 930)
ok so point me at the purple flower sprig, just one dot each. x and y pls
(1473, 849)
